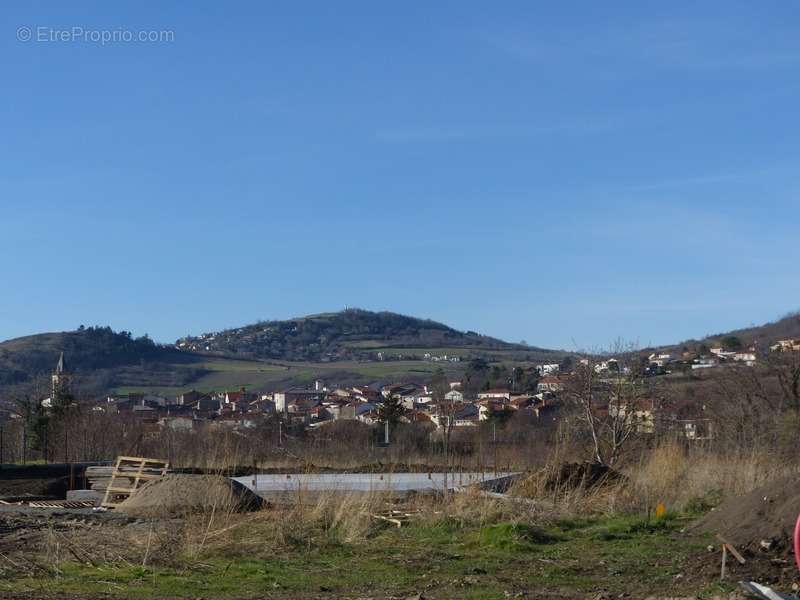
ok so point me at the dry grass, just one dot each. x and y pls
(681, 477)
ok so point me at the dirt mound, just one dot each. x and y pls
(176, 494)
(766, 514)
(581, 475)
(569, 476)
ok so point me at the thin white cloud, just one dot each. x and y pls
(578, 125)
(683, 45)
(787, 167)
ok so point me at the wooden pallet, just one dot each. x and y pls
(128, 474)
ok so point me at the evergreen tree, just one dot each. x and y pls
(390, 411)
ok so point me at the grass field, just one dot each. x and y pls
(464, 352)
(227, 374)
(569, 559)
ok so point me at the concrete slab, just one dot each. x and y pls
(273, 486)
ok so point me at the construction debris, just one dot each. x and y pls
(761, 591)
(398, 518)
(62, 504)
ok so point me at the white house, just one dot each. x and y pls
(550, 369)
(454, 396)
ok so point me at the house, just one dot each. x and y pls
(283, 400)
(705, 362)
(491, 408)
(549, 369)
(263, 406)
(366, 394)
(369, 417)
(207, 404)
(660, 359)
(495, 394)
(748, 358)
(641, 414)
(549, 384)
(416, 416)
(398, 389)
(520, 402)
(464, 416)
(334, 404)
(354, 410)
(786, 346)
(686, 419)
(454, 395)
(189, 397)
(417, 399)
(607, 366)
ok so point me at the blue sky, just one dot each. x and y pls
(565, 173)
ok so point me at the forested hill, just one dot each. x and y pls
(86, 349)
(351, 333)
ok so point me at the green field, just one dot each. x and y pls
(617, 556)
(226, 374)
(464, 352)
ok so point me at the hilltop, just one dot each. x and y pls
(346, 335)
(104, 358)
(352, 346)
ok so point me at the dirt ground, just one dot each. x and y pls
(760, 525)
(55, 487)
(34, 541)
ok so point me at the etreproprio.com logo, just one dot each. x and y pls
(45, 34)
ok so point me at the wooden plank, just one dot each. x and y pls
(147, 476)
(396, 522)
(137, 460)
(105, 501)
(732, 550)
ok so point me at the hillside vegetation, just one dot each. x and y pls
(761, 336)
(352, 346)
(103, 356)
(338, 336)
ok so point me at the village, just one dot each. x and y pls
(450, 408)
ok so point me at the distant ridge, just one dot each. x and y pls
(761, 336)
(347, 334)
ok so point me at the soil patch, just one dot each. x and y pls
(177, 494)
(760, 525)
(53, 487)
(766, 514)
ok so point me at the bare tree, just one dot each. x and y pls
(445, 412)
(610, 402)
